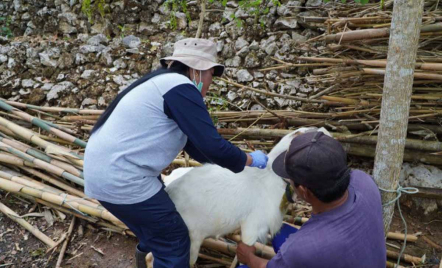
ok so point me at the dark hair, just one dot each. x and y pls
(330, 194)
(176, 67)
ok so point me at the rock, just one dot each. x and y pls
(240, 43)
(59, 88)
(3, 58)
(305, 88)
(88, 74)
(98, 39)
(271, 85)
(243, 52)
(120, 64)
(251, 60)
(47, 86)
(254, 45)
(228, 14)
(286, 23)
(228, 51)
(24, 91)
(60, 77)
(80, 59)
(271, 49)
(233, 30)
(85, 49)
(66, 61)
(233, 62)
(244, 76)
(215, 29)
(88, 101)
(313, 3)
(272, 75)
(422, 176)
(27, 83)
(131, 41)
(297, 38)
(219, 46)
(256, 107)
(241, 13)
(181, 20)
(289, 9)
(258, 75)
(66, 28)
(106, 58)
(119, 80)
(46, 60)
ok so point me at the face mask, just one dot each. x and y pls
(199, 86)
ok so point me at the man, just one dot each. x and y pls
(346, 226)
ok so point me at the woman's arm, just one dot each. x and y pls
(185, 105)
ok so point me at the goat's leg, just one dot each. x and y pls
(249, 233)
(195, 244)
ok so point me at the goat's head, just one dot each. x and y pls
(284, 143)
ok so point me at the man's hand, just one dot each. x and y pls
(245, 253)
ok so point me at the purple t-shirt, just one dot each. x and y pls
(351, 235)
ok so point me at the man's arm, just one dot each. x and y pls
(246, 255)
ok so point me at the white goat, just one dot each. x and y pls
(214, 201)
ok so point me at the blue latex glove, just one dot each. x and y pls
(259, 159)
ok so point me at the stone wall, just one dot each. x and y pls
(59, 57)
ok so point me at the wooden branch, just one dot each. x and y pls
(15, 217)
(65, 244)
(271, 93)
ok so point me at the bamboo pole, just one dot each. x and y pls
(29, 135)
(61, 201)
(270, 93)
(54, 109)
(32, 229)
(41, 124)
(25, 158)
(404, 257)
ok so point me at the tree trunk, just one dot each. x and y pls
(404, 38)
(201, 21)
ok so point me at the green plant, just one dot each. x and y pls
(5, 30)
(122, 30)
(255, 8)
(89, 10)
(174, 6)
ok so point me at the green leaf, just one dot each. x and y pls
(344, 1)
(364, 2)
(224, 3)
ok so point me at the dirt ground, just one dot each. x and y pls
(91, 247)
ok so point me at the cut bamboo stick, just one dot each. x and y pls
(37, 233)
(405, 257)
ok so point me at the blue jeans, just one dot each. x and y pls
(158, 227)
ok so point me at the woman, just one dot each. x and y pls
(140, 134)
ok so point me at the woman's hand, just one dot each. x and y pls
(257, 159)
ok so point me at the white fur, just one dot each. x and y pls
(214, 201)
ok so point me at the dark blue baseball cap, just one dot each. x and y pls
(314, 160)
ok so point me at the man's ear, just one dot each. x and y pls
(303, 192)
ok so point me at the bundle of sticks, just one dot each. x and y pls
(41, 160)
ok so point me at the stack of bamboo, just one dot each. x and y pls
(43, 163)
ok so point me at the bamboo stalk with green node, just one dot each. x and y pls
(25, 160)
(41, 124)
(61, 201)
(37, 154)
(50, 148)
(54, 109)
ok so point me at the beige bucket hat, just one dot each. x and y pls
(199, 54)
